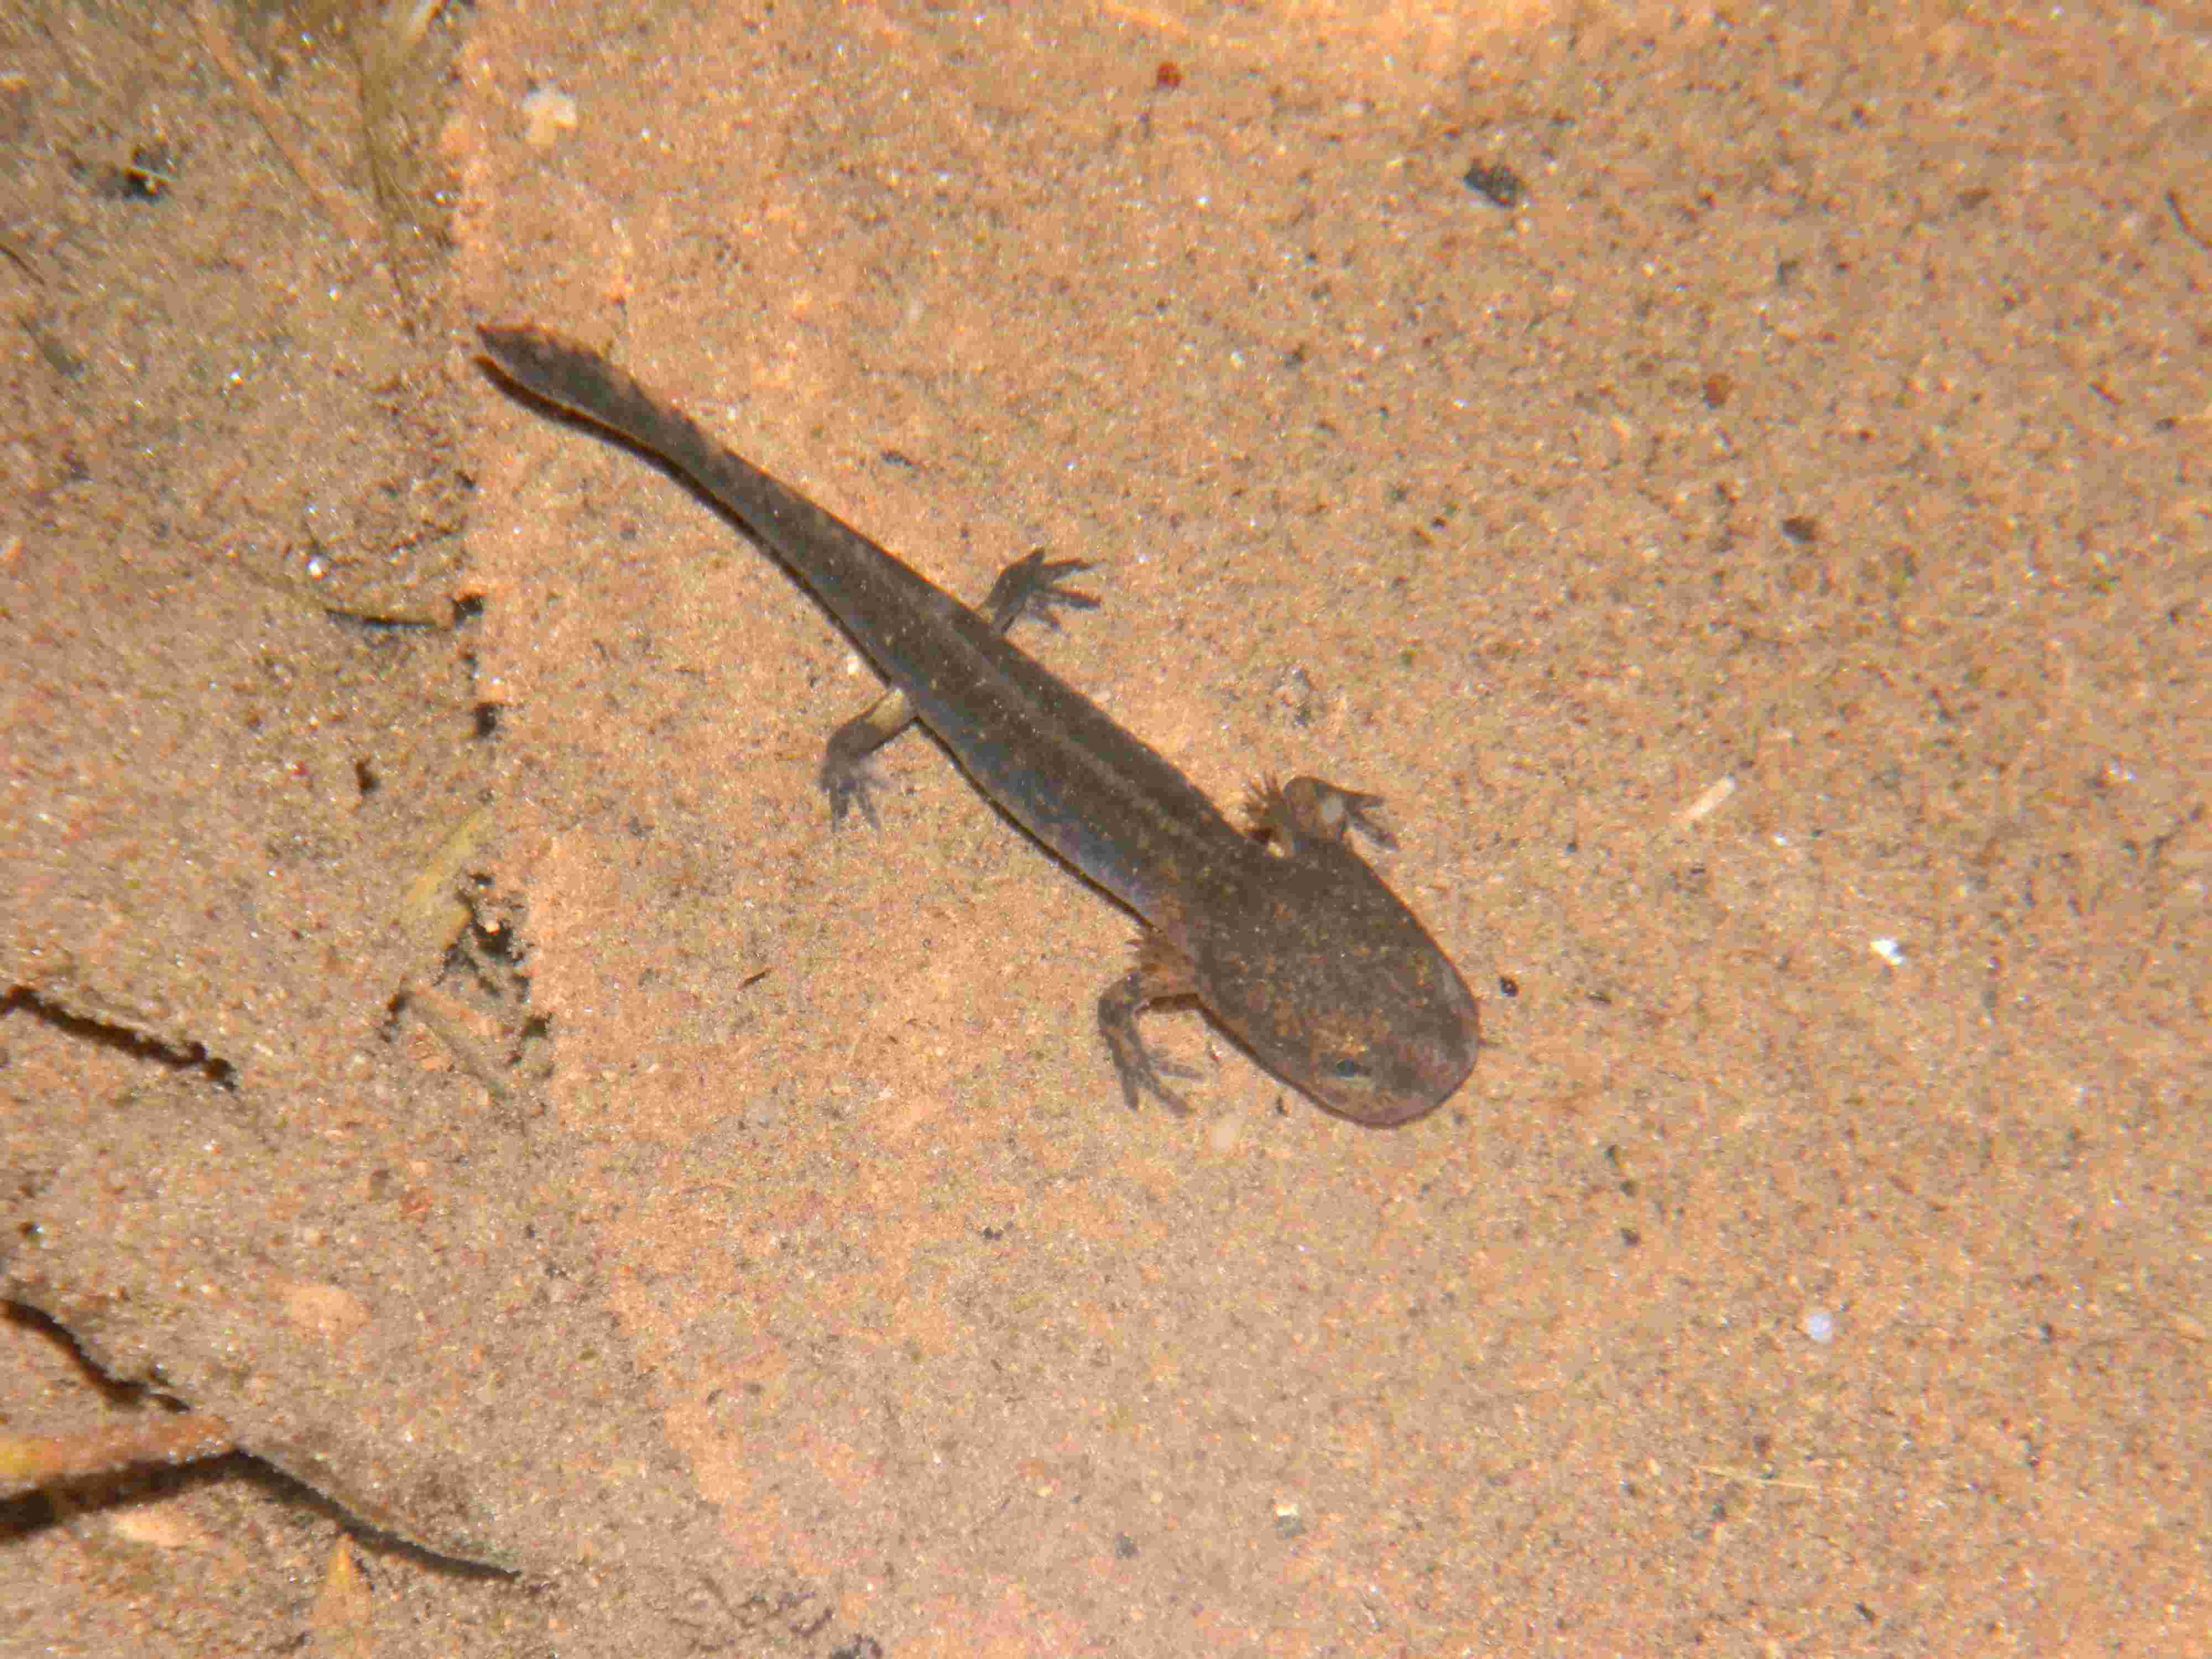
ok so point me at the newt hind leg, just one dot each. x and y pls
(1036, 587)
(1033, 586)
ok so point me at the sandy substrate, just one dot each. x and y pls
(1765, 568)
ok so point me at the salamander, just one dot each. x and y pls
(1280, 932)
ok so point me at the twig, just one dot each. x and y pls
(347, 216)
(29, 1461)
(1752, 1477)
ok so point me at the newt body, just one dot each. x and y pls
(1293, 946)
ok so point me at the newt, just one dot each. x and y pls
(1281, 932)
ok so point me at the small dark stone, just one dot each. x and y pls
(1496, 181)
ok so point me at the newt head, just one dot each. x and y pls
(1309, 961)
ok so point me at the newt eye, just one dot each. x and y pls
(1349, 1070)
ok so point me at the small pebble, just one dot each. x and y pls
(547, 112)
(1495, 181)
(1818, 1324)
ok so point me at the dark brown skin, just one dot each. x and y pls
(1284, 936)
